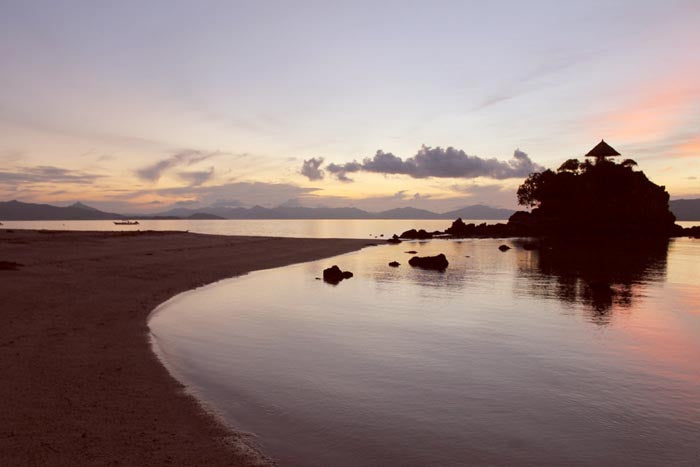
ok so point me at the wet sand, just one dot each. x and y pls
(80, 383)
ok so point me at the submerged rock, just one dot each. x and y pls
(394, 264)
(411, 252)
(334, 275)
(504, 248)
(438, 262)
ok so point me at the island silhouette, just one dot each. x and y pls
(596, 231)
(596, 197)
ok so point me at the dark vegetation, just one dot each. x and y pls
(601, 197)
(594, 198)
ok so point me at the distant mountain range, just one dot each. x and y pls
(684, 209)
(16, 210)
(285, 212)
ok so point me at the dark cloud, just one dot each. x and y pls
(439, 162)
(311, 168)
(188, 157)
(46, 174)
(197, 178)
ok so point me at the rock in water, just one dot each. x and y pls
(394, 264)
(504, 248)
(333, 275)
(414, 234)
(394, 239)
(438, 262)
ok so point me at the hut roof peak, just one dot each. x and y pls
(602, 150)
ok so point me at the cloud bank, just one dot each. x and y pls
(436, 162)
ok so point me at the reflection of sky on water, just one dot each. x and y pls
(497, 360)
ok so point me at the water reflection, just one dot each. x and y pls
(602, 276)
(482, 364)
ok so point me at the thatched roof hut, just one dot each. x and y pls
(601, 151)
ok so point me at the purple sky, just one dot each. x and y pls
(141, 105)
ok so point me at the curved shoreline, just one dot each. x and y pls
(81, 384)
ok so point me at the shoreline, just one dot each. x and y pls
(82, 384)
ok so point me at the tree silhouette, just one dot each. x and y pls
(600, 197)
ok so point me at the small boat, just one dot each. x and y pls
(126, 222)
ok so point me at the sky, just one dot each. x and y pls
(141, 106)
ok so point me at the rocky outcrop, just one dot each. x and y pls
(394, 264)
(394, 239)
(334, 275)
(595, 198)
(461, 230)
(438, 262)
(414, 234)
(679, 231)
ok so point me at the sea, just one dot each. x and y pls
(302, 228)
(575, 353)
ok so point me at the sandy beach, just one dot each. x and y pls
(80, 383)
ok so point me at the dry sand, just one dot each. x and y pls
(80, 384)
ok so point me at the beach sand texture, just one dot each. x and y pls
(80, 383)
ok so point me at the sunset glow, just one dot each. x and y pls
(90, 97)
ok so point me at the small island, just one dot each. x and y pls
(596, 197)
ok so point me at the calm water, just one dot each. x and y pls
(305, 228)
(573, 356)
